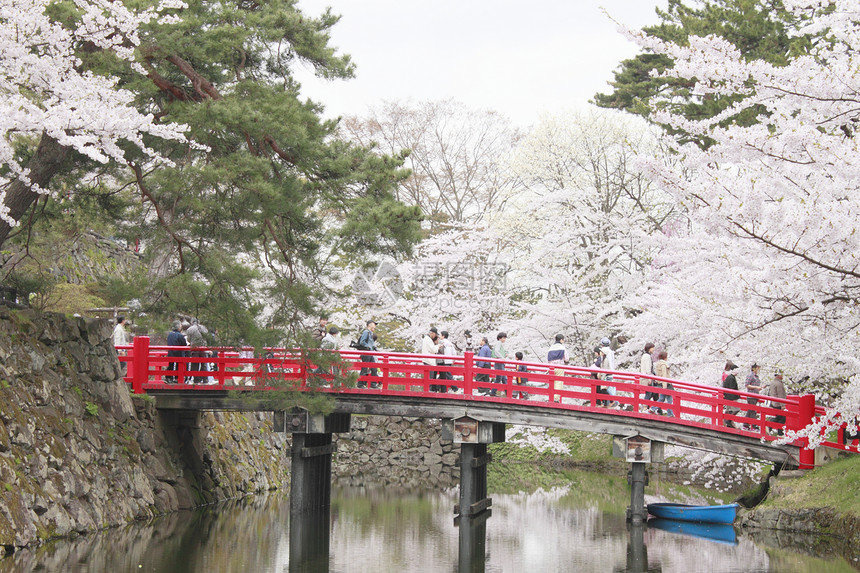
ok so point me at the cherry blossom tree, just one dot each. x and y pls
(764, 264)
(557, 255)
(455, 154)
(51, 104)
(576, 227)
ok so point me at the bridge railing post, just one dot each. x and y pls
(637, 401)
(468, 373)
(384, 370)
(717, 409)
(140, 364)
(804, 417)
(182, 368)
(218, 372)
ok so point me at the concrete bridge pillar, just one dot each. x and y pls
(473, 436)
(638, 450)
(310, 471)
(637, 477)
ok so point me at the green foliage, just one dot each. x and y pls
(760, 29)
(73, 298)
(249, 216)
(92, 409)
(31, 283)
(78, 391)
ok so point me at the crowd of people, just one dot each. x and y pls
(195, 337)
(753, 385)
(438, 351)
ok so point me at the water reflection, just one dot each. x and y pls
(719, 532)
(637, 552)
(552, 530)
(309, 542)
(472, 551)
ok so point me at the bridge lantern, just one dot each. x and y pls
(468, 430)
(637, 448)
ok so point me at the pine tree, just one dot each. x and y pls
(236, 230)
(760, 29)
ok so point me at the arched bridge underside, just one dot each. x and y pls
(605, 422)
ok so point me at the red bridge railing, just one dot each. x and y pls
(474, 379)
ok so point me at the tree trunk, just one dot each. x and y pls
(44, 164)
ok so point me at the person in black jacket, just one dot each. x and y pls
(730, 382)
(174, 338)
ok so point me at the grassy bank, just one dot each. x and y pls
(592, 451)
(834, 485)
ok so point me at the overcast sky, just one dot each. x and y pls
(518, 57)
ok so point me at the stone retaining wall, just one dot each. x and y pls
(79, 453)
(394, 451)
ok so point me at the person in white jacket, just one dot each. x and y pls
(646, 367)
(608, 363)
(430, 345)
(448, 349)
(120, 336)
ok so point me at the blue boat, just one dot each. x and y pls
(701, 513)
(717, 532)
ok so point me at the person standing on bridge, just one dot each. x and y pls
(468, 347)
(777, 390)
(598, 363)
(609, 364)
(661, 367)
(646, 368)
(501, 353)
(730, 382)
(329, 341)
(368, 342)
(753, 385)
(196, 337)
(520, 380)
(320, 331)
(448, 349)
(430, 345)
(484, 352)
(557, 354)
(120, 336)
(175, 338)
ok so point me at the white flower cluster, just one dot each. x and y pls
(715, 471)
(764, 266)
(533, 437)
(43, 88)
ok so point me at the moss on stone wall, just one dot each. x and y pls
(77, 453)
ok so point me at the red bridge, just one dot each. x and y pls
(570, 397)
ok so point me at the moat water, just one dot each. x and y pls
(545, 527)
